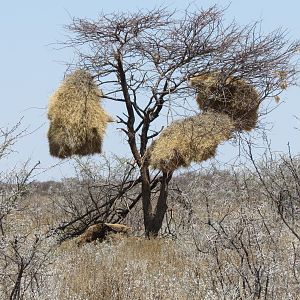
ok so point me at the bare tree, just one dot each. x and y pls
(10, 191)
(8, 137)
(103, 192)
(24, 249)
(280, 179)
(143, 61)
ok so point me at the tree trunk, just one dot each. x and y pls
(153, 218)
(146, 197)
(15, 294)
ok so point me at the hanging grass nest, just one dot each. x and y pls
(232, 96)
(77, 120)
(194, 139)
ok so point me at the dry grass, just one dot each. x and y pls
(77, 120)
(230, 244)
(135, 268)
(193, 139)
(232, 96)
(132, 268)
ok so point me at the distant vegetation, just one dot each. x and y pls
(227, 234)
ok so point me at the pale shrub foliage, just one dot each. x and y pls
(24, 242)
(230, 234)
(223, 238)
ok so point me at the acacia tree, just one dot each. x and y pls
(143, 61)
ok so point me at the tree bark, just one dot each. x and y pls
(146, 197)
(153, 218)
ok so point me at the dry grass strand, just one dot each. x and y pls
(77, 120)
(194, 139)
(232, 96)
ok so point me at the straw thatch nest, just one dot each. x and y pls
(232, 96)
(77, 120)
(194, 139)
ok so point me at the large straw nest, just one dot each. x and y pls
(194, 139)
(232, 96)
(77, 120)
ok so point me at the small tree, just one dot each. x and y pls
(143, 61)
(24, 247)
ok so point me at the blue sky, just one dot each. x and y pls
(31, 69)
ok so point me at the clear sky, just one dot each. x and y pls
(31, 70)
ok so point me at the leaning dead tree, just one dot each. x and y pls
(153, 63)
